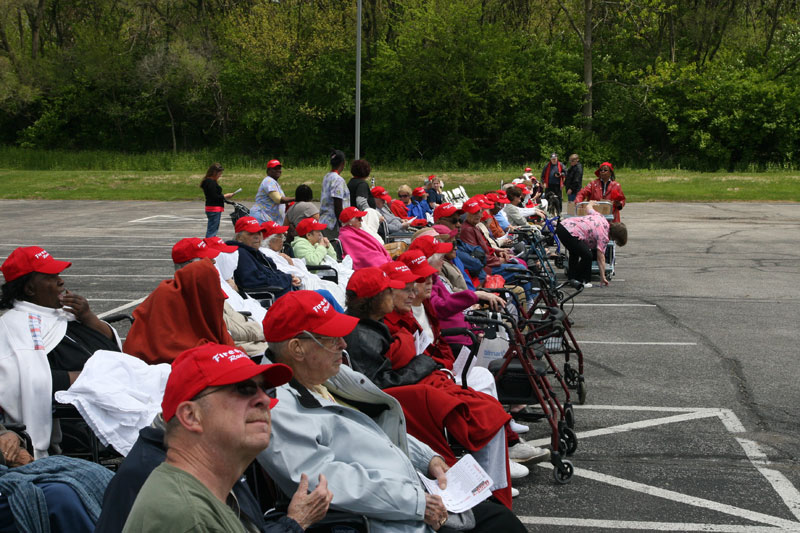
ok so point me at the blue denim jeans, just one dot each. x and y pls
(213, 223)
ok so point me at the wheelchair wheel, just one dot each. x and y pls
(581, 392)
(569, 416)
(571, 440)
(571, 376)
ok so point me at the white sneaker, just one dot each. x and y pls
(587, 285)
(518, 428)
(517, 470)
(514, 492)
(522, 452)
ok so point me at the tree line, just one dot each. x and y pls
(704, 84)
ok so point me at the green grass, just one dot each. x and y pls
(56, 175)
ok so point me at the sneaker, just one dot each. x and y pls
(522, 452)
(514, 492)
(517, 470)
(587, 285)
(518, 428)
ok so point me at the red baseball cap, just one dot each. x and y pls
(349, 213)
(473, 205)
(429, 245)
(370, 281)
(399, 271)
(418, 263)
(485, 216)
(445, 210)
(248, 224)
(441, 229)
(419, 191)
(527, 169)
(496, 198)
(524, 190)
(432, 177)
(192, 248)
(270, 227)
(273, 163)
(604, 164)
(219, 244)
(299, 311)
(380, 192)
(307, 225)
(27, 259)
(212, 365)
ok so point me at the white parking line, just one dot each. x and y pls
(122, 307)
(685, 498)
(615, 305)
(629, 343)
(651, 526)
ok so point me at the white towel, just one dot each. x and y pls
(117, 395)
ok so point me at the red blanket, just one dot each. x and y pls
(180, 314)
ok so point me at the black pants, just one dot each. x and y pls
(580, 255)
(492, 517)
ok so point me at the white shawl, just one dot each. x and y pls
(27, 333)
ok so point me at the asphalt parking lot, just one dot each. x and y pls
(691, 356)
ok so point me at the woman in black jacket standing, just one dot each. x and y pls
(573, 181)
(215, 200)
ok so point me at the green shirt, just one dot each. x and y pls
(174, 500)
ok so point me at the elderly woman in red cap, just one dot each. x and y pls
(363, 248)
(384, 346)
(310, 244)
(605, 187)
(46, 337)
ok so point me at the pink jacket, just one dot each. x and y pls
(365, 249)
(449, 309)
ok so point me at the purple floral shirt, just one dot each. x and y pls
(591, 229)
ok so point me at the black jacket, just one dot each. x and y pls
(367, 345)
(574, 179)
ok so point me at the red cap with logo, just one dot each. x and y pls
(380, 192)
(213, 365)
(399, 271)
(270, 227)
(472, 206)
(248, 224)
(308, 225)
(27, 259)
(370, 281)
(419, 192)
(349, 213)
(429, 245)
(273, 163)
(485, 216)
(418, 263)
(496, 198)
(192, 248)
(445, 210)
(219, 244)
(300, 311)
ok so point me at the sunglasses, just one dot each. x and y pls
(604, 170)
(246, 389)
(403, 195)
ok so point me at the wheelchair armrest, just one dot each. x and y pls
(331, 271)
(473, 351)
(118, 318)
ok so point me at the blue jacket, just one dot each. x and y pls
(419, 209)
(256, 270)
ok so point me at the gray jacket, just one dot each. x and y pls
(366, 455)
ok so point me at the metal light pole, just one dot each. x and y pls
(358, 81)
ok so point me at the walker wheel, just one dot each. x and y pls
(581, 392)
(570, 376)
(562, 447)
(563, 472)
(571, 440)
(569, 416)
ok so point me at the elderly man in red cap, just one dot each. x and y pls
(334, 421)
(254, 268)
(383, 202)
(217, 408)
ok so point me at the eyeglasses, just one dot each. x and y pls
(326, 343)
(246, 389)
(403, 195)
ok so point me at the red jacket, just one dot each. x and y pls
(399, 209)
(594, 191)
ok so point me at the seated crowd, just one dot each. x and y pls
(260, 386)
